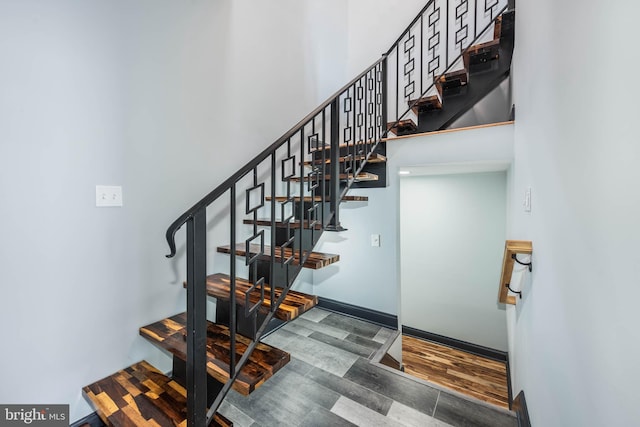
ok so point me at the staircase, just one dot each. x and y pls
(267, 218)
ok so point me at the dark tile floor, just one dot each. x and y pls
(331, 382)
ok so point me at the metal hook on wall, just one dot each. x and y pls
(526, 264)
(506, 285)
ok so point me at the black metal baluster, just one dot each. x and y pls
(196, 319)
(384, 95)
(273, 231)
(232, 273)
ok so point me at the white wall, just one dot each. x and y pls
(574, 335)
(164, 98)
(452, 232)
(373, 26)
(368, 276)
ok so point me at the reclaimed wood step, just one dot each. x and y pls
(294, 225)
(362, 176)
(374, 158)
(481, 53)
(264, 361)
(357, 144)
(293, 305)
(140, 395)
(426, 104)
(402, 127)
(316, 260)
(452, 83)
(318, 199)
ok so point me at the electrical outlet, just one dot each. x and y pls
(108, 195)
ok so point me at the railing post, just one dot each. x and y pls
(334, 180)
(384, 95)
(196, 320)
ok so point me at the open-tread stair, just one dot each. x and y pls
(363, 176)
(293, 305)
(316, 260)
(265, 360)
(318, 199)
(141, 396)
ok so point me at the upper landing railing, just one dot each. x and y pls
(287, 181)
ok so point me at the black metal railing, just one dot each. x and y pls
(302, 177)
(433, 45)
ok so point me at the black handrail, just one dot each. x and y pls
(222, 188)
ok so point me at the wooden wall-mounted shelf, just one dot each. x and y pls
(511, 248)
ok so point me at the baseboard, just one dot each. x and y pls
(378, 317)
(520, 406)
(92, 419)
(487, 352)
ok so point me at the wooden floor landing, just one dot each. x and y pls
(475, 376)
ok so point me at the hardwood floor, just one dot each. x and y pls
(475, 376)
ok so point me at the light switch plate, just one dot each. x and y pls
(375, 240)
(108, 195)
(527, 200)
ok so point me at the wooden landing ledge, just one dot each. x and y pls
(511, 247)
(293, 305)
(170, 333)
(140, 395)
(315, 261)
(440, 132)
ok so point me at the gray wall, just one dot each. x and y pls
(452, 232)
(574, 340)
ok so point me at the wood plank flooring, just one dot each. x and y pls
(475, 376)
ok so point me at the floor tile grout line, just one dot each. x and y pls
(435, 406)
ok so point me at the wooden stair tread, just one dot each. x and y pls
(426, 104)
(374, 158)
(402, 127)
(316, 260)
(345, 145)
(362, 176)
(280, 224)
(294, 303)
(319, 199)
(263, 362)
(140, 395)
(451, 81)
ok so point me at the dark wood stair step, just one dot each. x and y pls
(319, 199)
(140, 395)
(451, 83)
(402, 127)
(481, 54)
(426, 104)
(374, 158)
(294, 303)
(294, 225)
(362, 176)
(357, 144)
(264, 361)
(316, 260)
